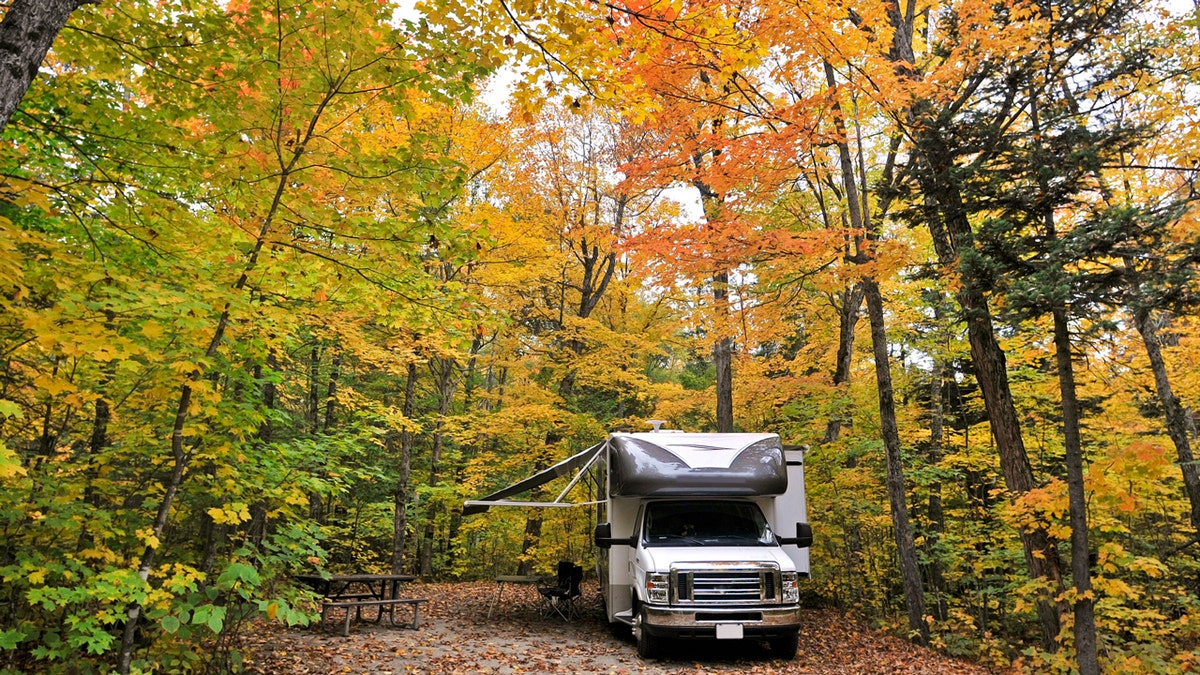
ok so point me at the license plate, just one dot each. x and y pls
(729, 631)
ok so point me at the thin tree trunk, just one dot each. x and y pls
(256, 531)
(400, 495)
(723, 353)
(952, 237)
(467, 454)
(937, 516)
(1178, 421)
(710, 200)
(953, 240)
(910, 571)
(444, 371)
(331, 391)
(848, 315)
(312, 410)
(1085, 602)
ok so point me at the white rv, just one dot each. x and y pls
(699, 535)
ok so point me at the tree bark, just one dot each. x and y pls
(848, 315)
(331, 392)
(1180, 427)
(28, 29)
(443, 370)
(723, 354)
(1085, 603)
(952, 237)
(400, 495)
(906, 550)
(936, 514)
(710, 200)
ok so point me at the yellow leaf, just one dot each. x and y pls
(10, 463)
(152, 329)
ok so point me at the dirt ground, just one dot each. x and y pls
(458, 636)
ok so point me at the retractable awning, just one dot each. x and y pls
(576, 464)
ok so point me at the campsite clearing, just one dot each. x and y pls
(458, 637)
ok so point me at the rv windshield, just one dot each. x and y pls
(705, 523)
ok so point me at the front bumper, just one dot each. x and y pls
(701, 622)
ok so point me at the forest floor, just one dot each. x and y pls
(457, 636)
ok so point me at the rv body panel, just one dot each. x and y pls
(790, 508)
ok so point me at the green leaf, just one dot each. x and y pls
(9, 409)
(216, 619)
(9, 639)
(238, 572)
(170, 624)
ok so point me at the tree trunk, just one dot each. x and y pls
(848, 315)
(331, 392)
(444, 371)
(28, 29)
(1178, 421)
(952, 237)
(1085, 603)
(723, 354)
(910, 571)
(711, 201)
(936, 514)
(312, 411)
(400, 496)
(256, 531)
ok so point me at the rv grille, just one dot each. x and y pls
(725, 586)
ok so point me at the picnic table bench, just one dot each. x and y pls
(353, 592)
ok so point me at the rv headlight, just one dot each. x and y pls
(791, 588)
(657, 587)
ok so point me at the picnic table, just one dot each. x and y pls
(353, 592)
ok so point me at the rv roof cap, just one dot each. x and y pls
(657, 424)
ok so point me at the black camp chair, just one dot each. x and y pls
(560, 598)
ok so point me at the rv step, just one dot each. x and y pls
(625, 617)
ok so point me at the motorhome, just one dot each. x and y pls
(699, 535)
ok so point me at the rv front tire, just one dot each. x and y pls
(647, 646)
(785, 647)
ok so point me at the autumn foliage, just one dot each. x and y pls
(278, 291)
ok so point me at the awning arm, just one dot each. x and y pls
(576, 463)
(578, 477)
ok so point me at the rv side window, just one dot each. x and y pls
(705, 523)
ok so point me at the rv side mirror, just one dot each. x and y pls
(604, 538)
(803, 538)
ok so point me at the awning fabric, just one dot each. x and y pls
(568, 466)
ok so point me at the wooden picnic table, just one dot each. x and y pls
(356, 591)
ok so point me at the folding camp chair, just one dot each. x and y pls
(560, 598)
